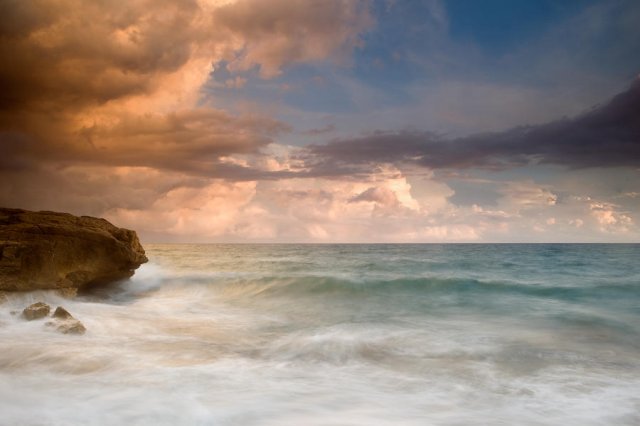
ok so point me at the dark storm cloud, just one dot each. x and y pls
(59, 55)
(606, 136)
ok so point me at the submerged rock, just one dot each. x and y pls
(36, 311)
(65, 323)
(72, 326)
(48, 250)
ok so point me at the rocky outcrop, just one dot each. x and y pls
(48, 250)
(62, 320)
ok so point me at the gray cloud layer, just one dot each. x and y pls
(606, 136)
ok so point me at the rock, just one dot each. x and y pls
(71, 327)
(62, 313)
(36, 311)
(3, 297)
(65, 323)
(47, 250)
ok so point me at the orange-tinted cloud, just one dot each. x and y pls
(276, 33)
(101, 113)
(117, 83)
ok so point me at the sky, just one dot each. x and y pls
(324, 121)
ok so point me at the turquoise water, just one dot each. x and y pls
(340, 335)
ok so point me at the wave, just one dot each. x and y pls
(252, 285)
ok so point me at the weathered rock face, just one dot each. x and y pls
(47, 250)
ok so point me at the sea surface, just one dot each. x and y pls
(339, 335)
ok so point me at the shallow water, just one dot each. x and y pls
(339, 335)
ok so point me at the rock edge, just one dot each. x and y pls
(48, 250)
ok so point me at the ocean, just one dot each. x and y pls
(468, 334)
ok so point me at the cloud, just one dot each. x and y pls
(236, 83)
(320, 131)
(117, 83)
(102, 113)
(288, 210)
(527, 195)
(84, 53)
(606, 136)
(192, 141)
(382, 196)
(190, 212)
(276, 33)
(75, 54)
(91, 190)
(609, 219)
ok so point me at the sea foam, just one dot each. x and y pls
(338, 335)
